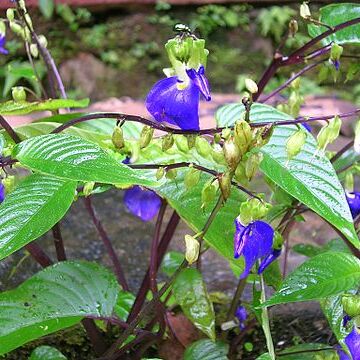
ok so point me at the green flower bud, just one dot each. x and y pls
(191, 139)
(179, 48)
(181, 143)
(252, 165)
(357, 138)
(17, 29)
(192, 249)
(208, 194)
(203, 147)
(217, 154)
(336, 51)
(226, 133)
(88, 188)
(34, 51)
(251, 86)
(351, 304)
(253, 209)
(28, 21)
(305, 11)
(18, 94)
(146, 136)
(329, 133)
(171, 174)
(242, 136)
(225, 185)
(232, 154)
(217, 138)
(167, 142)
(263, 135)
(43, 41)
(278, 241)
(10, 14)
(293, 27)
(295, 143)
(9, 183)
(240, 175)
(192, 178)
(21, 4)
(118, 138)
(349, 181)
(295, 84)
(2, 27)
(160, 173)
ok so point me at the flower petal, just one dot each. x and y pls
(239, 238)
(200, 81)
(241, 315)
(268, 260)
(165, 102)
(353, 200)
(142, 203)
(352, 341)
(2, 193)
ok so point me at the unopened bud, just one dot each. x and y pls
(208, 194)
(242, 136)
(18, 94)
(232, 154)
(88, 188)
(217, 138)
(217, 154)
(146, 136)
(160, 173)
(329, 133)
(10, 14)
(118, 138)
(226, 133)
(17, 29)
(296, 83)
(192, 249)
(253, 209)
(203, 147)
(293, 27)
(305, 11)
(191, 178)
(2, 28)
(278, 240)
(295, 143)
(34, 51)
(179, 48)
(335, 52)
(263, 135)
(228, 325)
(357, 138)
(28, 21)
(43, 41)
(225, 185)
(349, 181)
(351, 304)
(251, 86)
(252, 164)
(181, 143)
(240, 175)
(191, 139)
(167, 142)
(171, 174)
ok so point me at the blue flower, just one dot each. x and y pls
(254, 242)
(336, 64)
(2, 192)
(143, 203)
(307, 126)
(241, 315)
(2, 45)
(352, 341)
(176, 101)
(353, 199)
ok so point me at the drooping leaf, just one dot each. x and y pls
(71, 157)
(172, 260)
(29, 211)
(53, 299)
(190, 292)
(45, 352)
(206, 349)
(335, 14)
(47, 8)
(324, 275)
(309, 177)
(21, 108)
(310, 351)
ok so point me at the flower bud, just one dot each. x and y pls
(251, 86)
(192, 249)
(253, 209)
(191, 178)
(335, 52)
(167, 142)
(351, 304)
(305, 11)
(181, 143)
(43, 41)
(146, 136)
(232, 154)
(217, 138)
(226, 133)
(179, 48)
(88, 188)
(191, 139)
(28, 21)
(252, 164)
(240, 175)
(218, 155)
(329, 133)
(208, 194)
(118, 138)
(263, 135)
(171, 174)
(18, 94)
(17, 29)
(295, 84)
(203, 147)
(10, 14)
(295, 143)
(225, 185)
(34, 51)
(242, 136)
(278, 240)
(2, 28)
(160, 173)
(357, 138)
(349, 181)
(293, 27)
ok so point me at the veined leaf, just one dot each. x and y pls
(55, 298)
(310, 351)
(322, 276)
(71, 157)
(335, 14)
(32, 209)
(206, 349)
(308, 177)
(21, 108)
(46, 353)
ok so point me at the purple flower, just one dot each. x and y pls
(307, 126)
(176, 102)
(336, 64)
(268, 260)
(142, 203)
(353, 199)
(2, 45)
(254, 241)
(241, 315)
(352, 341)
(2, 192)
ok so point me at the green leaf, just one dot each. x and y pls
(336, 14)
(46, 353)
(350, 157)
(310, 179)
(265, 356)
(46, 8)
(71, 157)
(32, 209)
(190, 292)
(172, 260)
(206, 349)
(123, 304)
(272, 275)
(53, 299)
(21, 108)
(307, 352)
(312, 250)
(324, 275)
